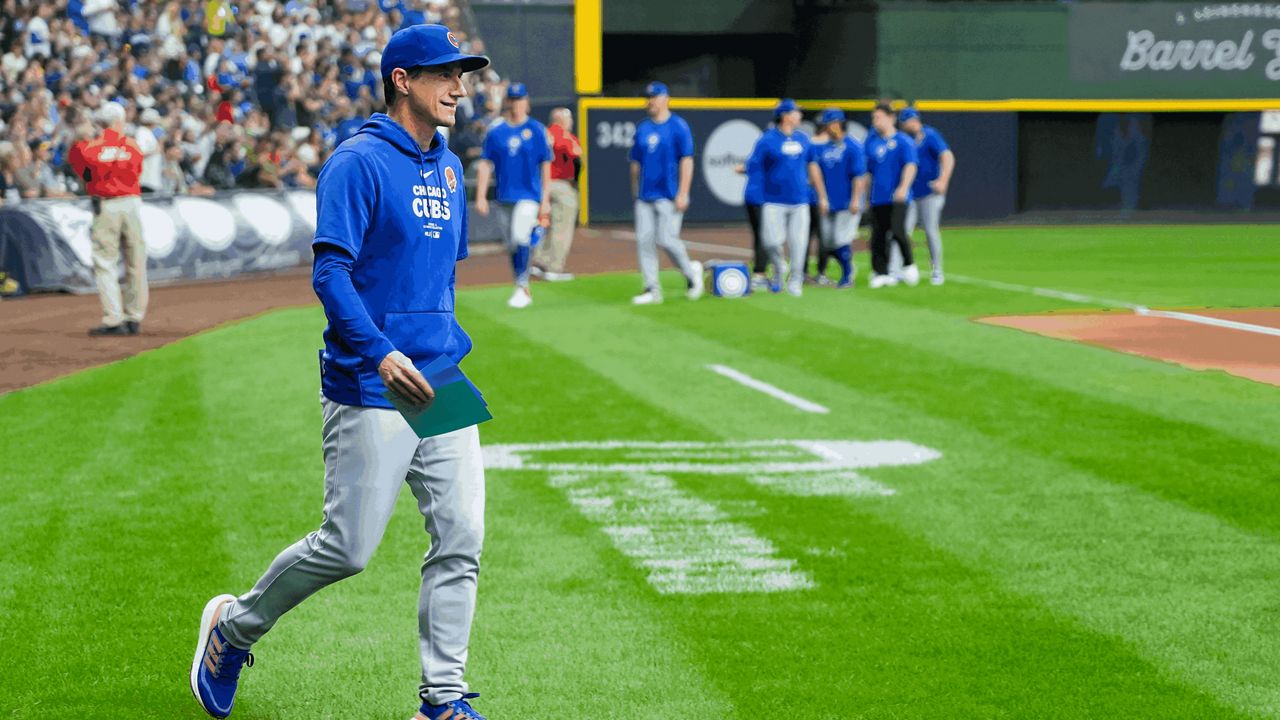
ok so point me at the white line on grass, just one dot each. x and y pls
(770, 390)
(686, 545)
(1042, 292)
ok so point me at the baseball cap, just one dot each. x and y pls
(517, 90)
(831, 115)
(908, 113)
(655, 89)
(423, 45)
(786, 105)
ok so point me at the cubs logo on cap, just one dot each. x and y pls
(785, 106)
(451, 179)
(655, 89)
(517, 90)
(425, 46)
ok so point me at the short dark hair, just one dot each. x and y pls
(884, 108)
(389, 88)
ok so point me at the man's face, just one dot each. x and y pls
(518, 105)
(435, 92)
(882, 121)
(657, 104)
(565, 120)
(911, 126)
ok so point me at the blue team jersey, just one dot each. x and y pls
(784, 162)
(517, 153)
(886, 159)
(658, 148)
(753, 193)
(840, 162)
(929, 149)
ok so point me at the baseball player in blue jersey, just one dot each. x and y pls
(661, 173)
(391, 226)
(936, 163)
(518, 151)
(783, 153)
(891, 161)
(844, 170)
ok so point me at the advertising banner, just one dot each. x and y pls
(1221, 50)
(187, 238)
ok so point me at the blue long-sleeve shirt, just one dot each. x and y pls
(331, 279)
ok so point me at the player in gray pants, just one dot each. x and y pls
(390, 229)
(661, 172)
(929, 191)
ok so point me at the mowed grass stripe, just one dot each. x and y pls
(1109, 551)
(648, 354)
(230, 475)
(1154, 265)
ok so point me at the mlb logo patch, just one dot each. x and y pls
(451, 179)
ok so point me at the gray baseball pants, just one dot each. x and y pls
(926, 212)
(368, 454)
(658, 226)
(786, 225)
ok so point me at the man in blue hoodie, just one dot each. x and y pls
(391, 225)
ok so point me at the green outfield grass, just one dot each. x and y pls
(1100, 537)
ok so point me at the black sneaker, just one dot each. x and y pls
(132, 327)
(109, 330)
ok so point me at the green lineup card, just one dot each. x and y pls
(457, 404)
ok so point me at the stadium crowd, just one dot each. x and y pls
(219, 95)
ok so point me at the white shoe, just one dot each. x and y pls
(794, 291)
(879, 281)
(557, 276)
(520, 298)
(936, 278)
(911, 275)
(648, 297)
(695, 286)
(537, 272)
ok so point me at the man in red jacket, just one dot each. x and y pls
(566, 163)
(110, 165)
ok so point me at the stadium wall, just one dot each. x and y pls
(1051, 156)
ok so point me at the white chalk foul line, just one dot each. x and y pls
(1106, 302)
(770, 390)
(1206, 320)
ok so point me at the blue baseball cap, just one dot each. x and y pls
(831, 115)
(786, 105)
(424, 45)
(908, 113)
(517, 90)
(655, 89)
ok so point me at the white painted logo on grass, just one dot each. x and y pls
(688, 545)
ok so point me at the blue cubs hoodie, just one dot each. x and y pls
(391, 224)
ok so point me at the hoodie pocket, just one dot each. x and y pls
(421, 335)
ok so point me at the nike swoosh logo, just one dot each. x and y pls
(428, 175)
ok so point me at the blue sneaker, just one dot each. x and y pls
(215, 670)
(458, 709)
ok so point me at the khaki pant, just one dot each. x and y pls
(554, 249)
(116, 228)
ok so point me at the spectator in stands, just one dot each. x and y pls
(149, 144)
(36, 178)
(173, 177)
(10, 193)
